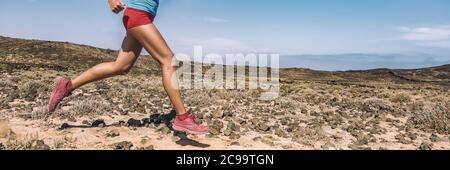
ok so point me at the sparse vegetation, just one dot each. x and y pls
(318, 110)
(401, 98)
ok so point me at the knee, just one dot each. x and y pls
(166, 59)
(122, 69)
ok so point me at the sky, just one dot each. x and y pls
(318, 34)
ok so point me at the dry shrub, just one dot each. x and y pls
(401, 98)
(431, 117)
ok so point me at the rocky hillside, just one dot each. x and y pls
(374, 109)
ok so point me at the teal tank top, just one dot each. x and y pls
(150, 6)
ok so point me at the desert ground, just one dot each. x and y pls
(354, 110)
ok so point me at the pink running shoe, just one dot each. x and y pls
(187, 123)
(62, 88)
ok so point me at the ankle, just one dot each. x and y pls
(183, 116)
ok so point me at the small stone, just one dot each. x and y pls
(112, 134)
(227, 132)
(362, 140)
(434, 138)
(85, 122)
(256, 139)
(279, 132)
(146, 121)
(358, 147)
(125, 145)
(71, 119)
(216, 127)
(163, 129)
(147, 148)
(426, 146)
(228, 114)
(217, 114)
(235, 143)
(234, 136)
(123, 112)
(333, 126)
(234, 127)
(268, 141)
(328, 146)
(99, 123)
(118, 124)
(263, 127)
(412, 136)
(291, 127)
(39, 145)
(134, 123)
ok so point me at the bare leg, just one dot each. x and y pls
(128, 55)
(152, 40)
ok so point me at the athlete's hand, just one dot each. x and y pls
(116, 5)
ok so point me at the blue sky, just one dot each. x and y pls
(416, 31)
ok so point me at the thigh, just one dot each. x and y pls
(129, 52)
(152, 40)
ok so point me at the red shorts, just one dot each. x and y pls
(134, 18)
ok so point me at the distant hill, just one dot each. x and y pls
(64, 55)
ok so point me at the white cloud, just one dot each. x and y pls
(427, 36)
(214, 20)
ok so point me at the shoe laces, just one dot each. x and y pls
(193, 118)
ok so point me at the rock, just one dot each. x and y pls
(85, 122)
(119, 123)
(39, 145)
(217, 114)
(434, 138)
(334, 125)
(2, 147)
(234, 127)
(228, 114)
(268, 141)
(291, 127)
(383, 149)
(147, 148)
(328, 146)
(234, 136)
(134, 123)
(125, 145)
(412, 136)
(402, 139)
(235, 143)
(99, 123)
(146, 122)
(426, 146)
(163, 129)
(112, 133)
(216, 127)
(279, 132)
(362, 140)
(256, 139)
(227, 132)
(358, 147)
(123, 112)
(263, 127)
